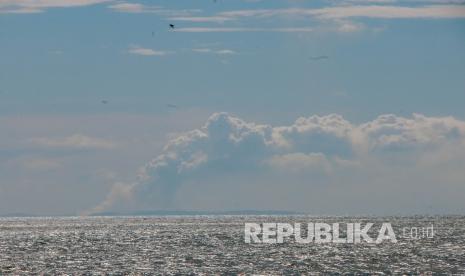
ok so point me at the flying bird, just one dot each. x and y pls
(172, 26)
(104, 101)
(319, 58)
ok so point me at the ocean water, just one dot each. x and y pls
(215, 245)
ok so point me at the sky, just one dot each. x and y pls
(323, 107)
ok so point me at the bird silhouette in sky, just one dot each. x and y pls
(104, 101)
(319, 58)
(172, 26)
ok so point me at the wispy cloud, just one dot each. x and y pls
(347, 26)
(242, 29)
(19, 10)
(339, 12)
(34, 6)
(141, 8)
(337, 18)
(136, 50)
(130, 7)
(225, 52)
(214, 51)
(216, 19)
(133, 8)
(377, 11)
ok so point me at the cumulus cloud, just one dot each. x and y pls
(76, 141)
(392, 133)
(316, 146)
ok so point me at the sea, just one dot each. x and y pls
(215, 244)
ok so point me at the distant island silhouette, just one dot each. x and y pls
(167, 213)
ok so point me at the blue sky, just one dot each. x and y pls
(67, 59)
(257, 60)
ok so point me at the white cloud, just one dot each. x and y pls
(158, 10)
(129, 7)
(322, 149)
(76, 141)
(389, 132)
(346, 26)
(19, 10)
(337, 15)
(213, 51)
(230, 30)
(225, 52)
(377, 11)
(136, 50)
(347, 11)
(335, 18)
(33, 6)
